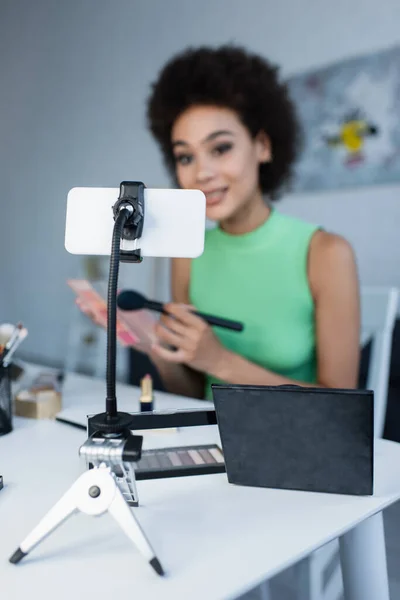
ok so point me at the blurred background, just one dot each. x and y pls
(74, 79)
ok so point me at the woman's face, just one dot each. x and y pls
(214, 152)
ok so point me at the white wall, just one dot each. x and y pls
(71, 113)
(74, 78)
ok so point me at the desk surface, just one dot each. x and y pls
(215, 540)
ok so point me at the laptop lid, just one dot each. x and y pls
(292, 437)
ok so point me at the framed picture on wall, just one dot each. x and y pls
(349, 112)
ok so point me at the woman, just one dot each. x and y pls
(226, 126)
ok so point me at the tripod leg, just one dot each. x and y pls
(128, 523)
(65, 507)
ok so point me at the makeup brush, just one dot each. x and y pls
(8, 354)
(131, 300)
(11, 341)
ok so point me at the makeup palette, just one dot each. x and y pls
(181, 461)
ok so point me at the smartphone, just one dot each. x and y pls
(174, 222)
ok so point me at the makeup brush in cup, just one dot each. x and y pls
(11, 342)
(22, 333)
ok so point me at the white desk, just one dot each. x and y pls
(214, 540)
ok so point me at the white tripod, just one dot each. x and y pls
(93, 493)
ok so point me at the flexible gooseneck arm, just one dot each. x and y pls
(111, 399)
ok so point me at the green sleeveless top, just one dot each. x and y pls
(260, 278)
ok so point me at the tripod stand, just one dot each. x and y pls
(94, 493)
(112, 448)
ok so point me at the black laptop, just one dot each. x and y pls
(297, 438)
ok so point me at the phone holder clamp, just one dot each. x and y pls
(131, 197)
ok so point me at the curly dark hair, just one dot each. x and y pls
(229, 77)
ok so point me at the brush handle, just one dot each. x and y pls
(220, 322)
(210, 319)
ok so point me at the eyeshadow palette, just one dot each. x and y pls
(181, 461)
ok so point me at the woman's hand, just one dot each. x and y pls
(91, 314)
(193, 340)
(126, 334)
